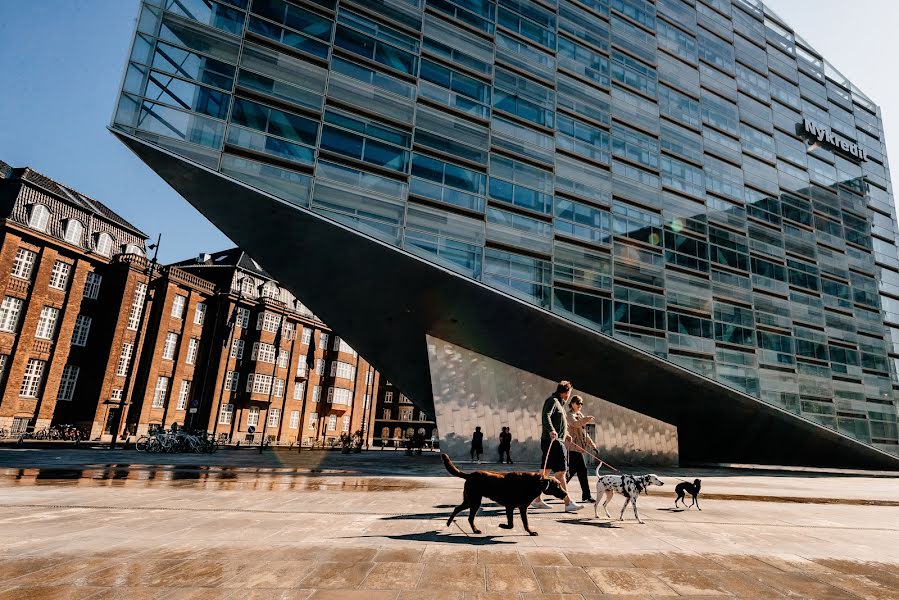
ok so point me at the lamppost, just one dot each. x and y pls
(232, 325)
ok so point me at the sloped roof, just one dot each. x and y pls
(74, 197)
(231, 258)
(5, 170)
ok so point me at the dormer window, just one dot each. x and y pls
(74, 229)
(39, 217)
(104, 244)
(132, 249)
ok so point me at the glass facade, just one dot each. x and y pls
(690, 178)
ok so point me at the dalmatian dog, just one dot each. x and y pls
(629, 486)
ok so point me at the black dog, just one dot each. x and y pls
(688, 488)
(508, 489)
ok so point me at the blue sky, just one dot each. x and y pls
(63, 59)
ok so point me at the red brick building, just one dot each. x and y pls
(61, 291)
(396, 419)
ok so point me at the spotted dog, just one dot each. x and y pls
(628, 486)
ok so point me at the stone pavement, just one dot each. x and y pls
(79, 525)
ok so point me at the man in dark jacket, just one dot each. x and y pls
(555, 434)
(477, 444)
(505, 446)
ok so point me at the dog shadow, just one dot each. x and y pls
(672, 510)
(429, 516)
(454, 537)
(588, 522)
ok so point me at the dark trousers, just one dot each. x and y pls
(476, 452)
(577, 466)
(504, 451)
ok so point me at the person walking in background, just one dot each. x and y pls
(477, 444)
(505, 446)
(576, 464)
(555, 433)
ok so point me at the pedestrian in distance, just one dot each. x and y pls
(505, 446)
(576, 464)
(555, 434)
(477, 444)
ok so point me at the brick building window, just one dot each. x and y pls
(313, 420)
(10, 309)
(39, 217)
(323, 341)
(274, 415)
(253, 416)
(404, 399)
(226, 413)
(263, 352)
(406, 413)
(342, 370)
(243, 318)
(307, 335)
(74, 230)
(345, 427)
(237, 349)
(298, 389)
(319, 366)
(283, 357)
(4, 361)
(258, 383)
(231, 379)
(19, 425)
(81, 331)
(159, 394)
(317, 393)
(178, 305)
(31, 382)
(67, 383)
(103, 244)
(46, 324)
(332, 423)
(294, 419)
(340, 396)
(59, 277)
(124, 359)
(267, 321)
(183, 393)
(301, 367)
(192, 346)
(200, 314)
(23, 263)
(288, 330)
(279, 388)
(137, 306)
(388, 396)
(171, 342)
(385, 414)
(92, 285)
(115, 395)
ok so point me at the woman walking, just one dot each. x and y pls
(578, 428)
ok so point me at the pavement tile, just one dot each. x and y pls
(864, 586)
(197, 573)
(598, 559)
(404, 555)
(493, 556)
(348, 555)
(353, 595)
(553, 579)
(435, 595)
(483, 596)
(690, 582)
(331, 575)
(129, 573)
(269, 594)
(550, 596)
(739, 562)
(191, 594)
(797, 585)
(652, 561)
(686, 560)
(743, 584)
(544, 558)
(628, 582)
(795, 564)
(272, 574)
(62, 573)
(67, 592)
(126, 593)
(511, 578)
(10, 569)
(448, 554)
(453, 577)
(392, 576)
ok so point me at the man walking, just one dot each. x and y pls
(576, 464)
(505, 446)
(555, 434)
(477, 445)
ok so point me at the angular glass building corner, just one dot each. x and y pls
(694, 181)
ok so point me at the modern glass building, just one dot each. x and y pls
(690, 178)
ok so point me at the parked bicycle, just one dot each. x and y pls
(177, 441)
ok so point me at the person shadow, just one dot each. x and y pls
(451, 537)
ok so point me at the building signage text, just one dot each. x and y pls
(826, 136)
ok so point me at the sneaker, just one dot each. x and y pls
(589, 500)
(538, 503)
(573, 507)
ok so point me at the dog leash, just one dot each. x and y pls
(588, 453)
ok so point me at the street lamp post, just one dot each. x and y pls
(232, 325)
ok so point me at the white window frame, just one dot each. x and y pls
(168, 349)
(160, 391)
(323, 341)
(137, 305)
(317, 393)
(23, 263)
(92, 285)
(388, 396)
(385, 414)
(278, 390)
(319, 366)
(179, 303)
(283, 357)
(294, 419)
(313, 420)
(193, 347)
(10, 312)
(104, 244)
(200, 313)
(82, 330)
(46, 324)
(183, 393)
(67, 383)
(125, 359)
(232, 378)
(34, 376)
(332, 423)
(226, 414)
(243, 317)
(301, 366)
(298, 388)
(274, 415)
(263, 352)
(307, 335)
(345, 424)
(59, 276)
(253, 416)
(39, 217)
(237, 349)
(74, 231)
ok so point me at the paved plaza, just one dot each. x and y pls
(96, 524)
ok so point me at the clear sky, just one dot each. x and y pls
(62, 61)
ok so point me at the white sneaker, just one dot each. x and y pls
(538, 503)
(573, 507)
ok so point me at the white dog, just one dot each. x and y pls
(629, 486)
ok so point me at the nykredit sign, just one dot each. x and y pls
(826, 136)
